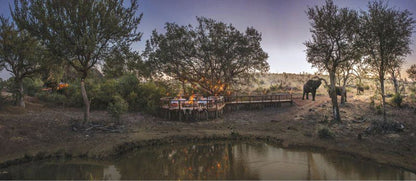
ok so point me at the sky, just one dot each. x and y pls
(283, 23)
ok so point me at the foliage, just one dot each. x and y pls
(102, 93)
(397, 100)
(2, 99)
(20, 54)
(212, 57)
(325, 133)
(149, 97)
(412, 72)
(384, 127)
(117, 106)
(333, 43)
(122, 60)
(52, 97)
(386, 36)
(32, 86)
(80, 32)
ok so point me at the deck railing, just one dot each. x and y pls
(218, 102)
(283, 97)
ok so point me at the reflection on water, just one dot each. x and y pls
(211, 161)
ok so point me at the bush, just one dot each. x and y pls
(149, 95)
(2, 100)
(379, 109)
(273, 88)
(383, 127)
(397, 100)
(366, 87)
(73, 95)
(102, 93)
(127, 84)
(53, 97)
(412, 97)
(325, 133)
(32, 86)
(117, 106)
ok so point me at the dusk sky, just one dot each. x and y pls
(283, 23)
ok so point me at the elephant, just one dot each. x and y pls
(339, 92)
(360, 90)
(311, 86)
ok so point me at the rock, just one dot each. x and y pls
(310, 110)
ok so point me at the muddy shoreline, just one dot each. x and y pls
(131, 146)
(46, 133)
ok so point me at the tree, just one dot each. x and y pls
(386, 34)
(212, 57)
(121, 61)
(333, 33)
(81, 32)
(412, 72)
(361, 71)
(20, 54)
(394, 71)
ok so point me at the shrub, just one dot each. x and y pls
(127, 84)
(382, 127)
(102, 93)
(366, 87)
(117, 106)
(53, 97)
(325, 133)
(2, 100)
(397, 100)
(32, 86)
(412, 97)
(149, 95)
(379, 109)
(73, 95)
(273, 88)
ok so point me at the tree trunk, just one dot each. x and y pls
(20, 95)
(343, 98)
(86, 101)
(333, 95)
(383, 97)
(344, 90)
(396, 85)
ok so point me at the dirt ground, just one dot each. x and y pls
(41, 129)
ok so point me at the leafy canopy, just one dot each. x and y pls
(212, 56)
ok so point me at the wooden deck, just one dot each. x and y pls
(214, 107)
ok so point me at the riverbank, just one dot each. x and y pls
(41, 132)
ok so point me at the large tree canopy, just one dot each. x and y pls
(20, 54)
(211, 56)
(333, 42)
(81, 32)
(385, 34)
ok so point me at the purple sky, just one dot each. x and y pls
(283, 23)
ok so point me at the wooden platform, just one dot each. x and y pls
(214, 107)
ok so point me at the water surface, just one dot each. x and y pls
(221, 160)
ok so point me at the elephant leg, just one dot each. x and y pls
(303, 96)
(345, 95)
(313, 95)
(307, 95)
